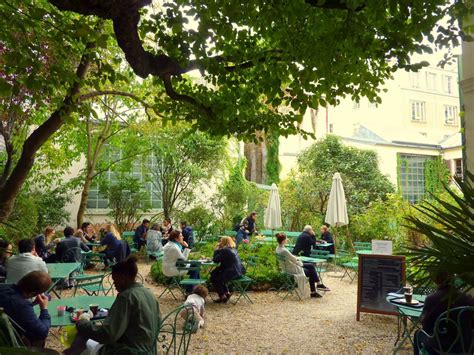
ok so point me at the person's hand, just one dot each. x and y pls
(245, 241)
(42, 301)
(57, 240)
(184, 244)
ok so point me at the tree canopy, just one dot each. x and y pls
(255, 55)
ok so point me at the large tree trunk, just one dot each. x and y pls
(33, 143)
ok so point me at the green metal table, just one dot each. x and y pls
(59, 271)
(324, 245)
(406, 313)
(75, 302)
(307, 259)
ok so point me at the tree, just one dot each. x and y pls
(252, 56)
(261, 54)
(182, 160)
(362, 180)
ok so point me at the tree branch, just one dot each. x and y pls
(93, 94)
(125, 16)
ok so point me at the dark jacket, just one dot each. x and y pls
(437, 303)
(304, 243)
(114, 245)
(187, 233)
(21, 311)
(248, 224)
(140, 233)
(43, 249)
(327, 237)
(230, 264)
(68, 243)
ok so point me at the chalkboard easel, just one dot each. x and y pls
(379, 275)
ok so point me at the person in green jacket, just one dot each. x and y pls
(133, 321)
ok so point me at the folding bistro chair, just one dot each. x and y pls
(288, 280)
(91, 284)
(240, 286)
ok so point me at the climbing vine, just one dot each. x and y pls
(436, 173)
(273, 165)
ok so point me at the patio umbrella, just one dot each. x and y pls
(336, 213)
(273, 213)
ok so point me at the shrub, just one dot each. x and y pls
(259, 259)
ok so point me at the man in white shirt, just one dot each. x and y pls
(25, 262)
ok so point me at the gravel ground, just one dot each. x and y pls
(272, 326)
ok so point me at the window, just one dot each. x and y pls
(355, 105)
(458, 170)
(415, 79)
(411, 175)
(140, 171)
(431, 81)
(417, 111)
(372, 105)
(331, 128)
(448, 84)
(450, 114)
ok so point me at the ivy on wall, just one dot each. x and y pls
(273, 165)
(436, 173)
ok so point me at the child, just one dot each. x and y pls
(197, 300)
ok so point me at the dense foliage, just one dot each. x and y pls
(305, 193)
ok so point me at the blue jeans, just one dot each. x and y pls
(241, 235)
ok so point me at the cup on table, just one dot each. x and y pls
(61, 310)
(94, 308)
(408, 294)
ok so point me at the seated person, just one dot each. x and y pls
(165, 229)
(15, 300)
(230, 268)
(89, 232)
(131, 326)
(140, 234)
(153, 239)
(247, 228)
(25, 262)
(326, 237)
(69, 243)
(113, 241)
(173, 252)
(305, 242)
(187, 233)
(437, 303)
(45, 243)
(5, 253)
(296, 267)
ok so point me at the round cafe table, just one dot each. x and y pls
(75, 302)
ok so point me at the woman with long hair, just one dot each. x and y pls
(230, 267)
(5, 252)
(113, 242)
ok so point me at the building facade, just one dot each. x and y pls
(418, 120)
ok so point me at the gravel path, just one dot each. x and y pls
(273, 326)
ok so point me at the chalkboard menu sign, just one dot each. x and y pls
(379, 275)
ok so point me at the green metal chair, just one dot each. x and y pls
(128, 236)
(91, 284)
(8, 335)
(351, 269)
(452, 333)
(93, 258)
(189, 265)
(362, 245)
(176, 329)
(240, 286)
(170, 284)
(230, 233)
(288, 280)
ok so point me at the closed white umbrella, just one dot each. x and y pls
(336, 213)
(273, 212)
